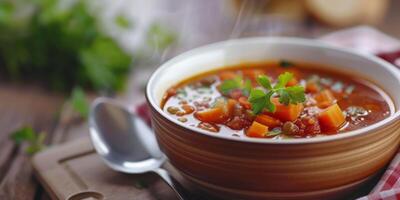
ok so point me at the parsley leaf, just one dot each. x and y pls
(261, 98)
(236, 83)
(264, 81)
(296, 94)
(247, 87)
(229, 85)
(258, 100)
(283, 79)
(27, 134)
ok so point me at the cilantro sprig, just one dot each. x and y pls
(236, 83)
(260, 98)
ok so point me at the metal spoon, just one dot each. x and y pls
(126, 143)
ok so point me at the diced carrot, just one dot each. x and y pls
(268, 120)
(324, 98)
(212, 115)
(292, 82)
(226, 75)
(231, 106)
(331, 118)
(312, 87)
(287, 112)
(244, 102)
(257, 130)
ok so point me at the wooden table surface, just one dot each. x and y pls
(26, 104)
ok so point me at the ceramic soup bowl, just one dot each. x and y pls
(327, 167)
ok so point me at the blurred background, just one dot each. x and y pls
(57, 55)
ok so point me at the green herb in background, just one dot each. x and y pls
(123, 22)
(59, 46)
(261, 98)
(28, 135)
(79, 102)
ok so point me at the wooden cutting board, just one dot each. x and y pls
(74, 171)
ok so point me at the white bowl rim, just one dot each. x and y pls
(288, 40)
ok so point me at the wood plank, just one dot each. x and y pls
(20, 106)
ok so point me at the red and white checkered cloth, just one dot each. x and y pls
(367, 40)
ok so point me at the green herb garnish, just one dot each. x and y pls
(27, 134)
(260, 98)
(236, 83)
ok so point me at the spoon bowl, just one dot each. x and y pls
(126, 143)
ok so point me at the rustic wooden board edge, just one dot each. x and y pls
(46, 163)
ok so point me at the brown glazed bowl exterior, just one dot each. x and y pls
(330, 167)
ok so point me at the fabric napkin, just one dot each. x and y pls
(367, 40)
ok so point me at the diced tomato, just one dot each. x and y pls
(226, 75)
(324, 98)
(307, 126)
(268, 120)
(312, 87)
(331, 118)
(244, 102)
(212, 115)
(292, 82)
(287, 112)
(238, 123)
(257, 130)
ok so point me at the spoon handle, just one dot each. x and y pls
(173, 183)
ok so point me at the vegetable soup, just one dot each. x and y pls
(276, 100)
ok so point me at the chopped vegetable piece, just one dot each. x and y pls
(289, 128)
(312, 87)
(308, 126)
(182, 119)
(324, 98)
(226, 75)
(238, 123)
(231, 106)
(188, 108)
(208, 127)
(331, 118)
(235, 94)
(257, 130)
(244, 102)
(213, 115)
(292, 82)
(172, 109)
(288, 112)
(268, 121)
